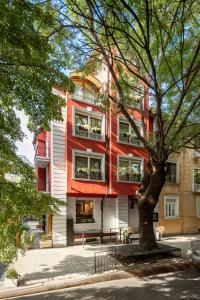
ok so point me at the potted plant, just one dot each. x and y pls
(27, 239)
(85, 127)
(159, 232)
(46, 241)
(12, 278)
(124, 173)
(96, 130)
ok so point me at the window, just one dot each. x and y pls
(84, 211)
(196, 180)
(171, 172)
(129, 170)
(88, 167)
(171, 206)
(137, 96)
(85, 94)
(198, 207)
(89, 126)
(127, 134)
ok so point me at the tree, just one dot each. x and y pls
(32, 60)
(150, 44)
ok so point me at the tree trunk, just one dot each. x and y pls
(146, 207)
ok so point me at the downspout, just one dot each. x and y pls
(107, 141)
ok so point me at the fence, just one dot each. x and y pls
(104, 260)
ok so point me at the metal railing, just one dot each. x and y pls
(126, 138)
(130, 178)
(196, 187)
(105, 260)
(41, 150)
(89, 175)
(87, 133)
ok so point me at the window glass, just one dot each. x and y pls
(78, 93)
(171, 172)
(95, 168)
(84, 211)
(81, 167)
(196, 180)
(170, 208)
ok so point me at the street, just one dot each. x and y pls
(177, 285)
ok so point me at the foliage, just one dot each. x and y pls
(33, 59)
(26, 239)
(11, 273)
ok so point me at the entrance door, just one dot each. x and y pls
(133, 216)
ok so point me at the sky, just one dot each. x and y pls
(26, 147)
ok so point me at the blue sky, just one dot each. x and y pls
(26, 147)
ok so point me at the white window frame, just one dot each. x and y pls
(89, 114)
(140, 159)
(177, 171)
(193, 183)
(198, 206)
(88, 155)
(126, 121)
(171, 197)
(137, 105)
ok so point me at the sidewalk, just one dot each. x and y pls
(41, 266)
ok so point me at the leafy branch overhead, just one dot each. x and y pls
(151, 44)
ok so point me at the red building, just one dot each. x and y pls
(93, 161)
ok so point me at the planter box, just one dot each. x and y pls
(46, 244)
(11, 282)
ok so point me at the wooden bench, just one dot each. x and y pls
(92, 234)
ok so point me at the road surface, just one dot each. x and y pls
(172, 286)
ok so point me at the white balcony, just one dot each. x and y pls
(41, 157)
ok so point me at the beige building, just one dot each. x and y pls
(179, 205)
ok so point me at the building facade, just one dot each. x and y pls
(93, 161)
(179, 205)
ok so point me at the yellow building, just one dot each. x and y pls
(179, 205)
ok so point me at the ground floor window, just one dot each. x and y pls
(171, 206)
(84, 211)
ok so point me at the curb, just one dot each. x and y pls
(47, 287)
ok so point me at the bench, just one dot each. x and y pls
(91, 235)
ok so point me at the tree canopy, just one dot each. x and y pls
(32, 60)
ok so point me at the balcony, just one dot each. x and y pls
(130, 177)
(128, 139)
(41, 156)
(86, 133)
(90, 175)
(196, 187)
(43, 186)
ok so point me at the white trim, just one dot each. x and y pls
(198, 206)
(171, 197)
(89, 114)
(138, 123)
(88, 155)
(140, 159)
(177, 170)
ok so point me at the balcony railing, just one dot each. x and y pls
(41, 150)
(87, 133)
(97, 175)
(127, 138)
(130, 177)
(43, 186)
(82, 97)
(196, 187)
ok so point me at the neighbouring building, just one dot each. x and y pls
(179, 205)
(93, 161)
